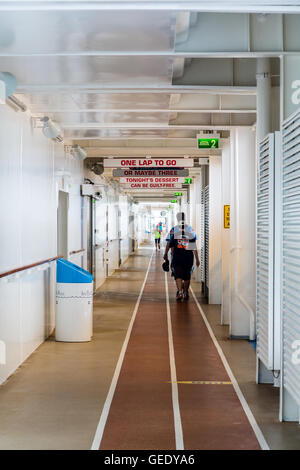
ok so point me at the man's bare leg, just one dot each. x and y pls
(179, 294)
(186, 285)
(179, 284)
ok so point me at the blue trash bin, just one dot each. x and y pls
(74, 303)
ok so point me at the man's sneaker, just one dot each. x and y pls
(179, 295)
(186, 296)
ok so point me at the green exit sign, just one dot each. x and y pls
(174, 201)
(208, 143)
(188, 181)
(178, 194)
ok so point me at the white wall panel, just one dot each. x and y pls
(33, 312)
(10, 327)
(113, 256)
(226, 246)
(124, 249)
(100, 266)
(112, 219)
(38, 208)
(242, 231)
(10, 189)
(32, 170)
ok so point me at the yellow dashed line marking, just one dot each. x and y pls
(202, 382)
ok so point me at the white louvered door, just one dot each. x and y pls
(268, 252)
(206, 236)
(290, 280)
(265, 247)
(202, 238)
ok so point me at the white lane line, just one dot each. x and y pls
(252, 420)
(103, 418)
(176, 409)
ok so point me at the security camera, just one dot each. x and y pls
(9, 84)
(50, 129)
(78, 152)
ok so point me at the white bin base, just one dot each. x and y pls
(74, 312)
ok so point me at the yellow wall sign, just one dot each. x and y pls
(226, 216)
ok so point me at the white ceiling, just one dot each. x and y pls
(113, 73)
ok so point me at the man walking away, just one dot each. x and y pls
(157, 239)
(182, 242)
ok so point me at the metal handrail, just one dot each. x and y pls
(29, 266)
(76, 251)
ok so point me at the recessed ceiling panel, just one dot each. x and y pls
(88, 72)
(183, 134)
(196, 101)
(62, 102)
(52, 32)
(109, 118)
(217, 32)
(191, 119)
(121, 101)
(113, 133)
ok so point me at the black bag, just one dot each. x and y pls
(166, 266)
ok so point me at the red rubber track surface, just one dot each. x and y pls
(141, 413)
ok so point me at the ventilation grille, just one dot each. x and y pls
(206, 233)
(265, 247)
(202, 246)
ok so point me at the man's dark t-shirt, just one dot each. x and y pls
(183, 240)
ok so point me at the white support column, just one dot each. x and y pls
(242, 233)
(226, 199)
(263, 77)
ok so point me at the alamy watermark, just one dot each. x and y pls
(2, 353)
(2, 92)
(296, 353)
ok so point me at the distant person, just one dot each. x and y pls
(182, 242)
(157, 237)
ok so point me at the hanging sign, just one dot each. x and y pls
(130, 179)
(208, 141)
(150, 172)
(226, 216)
(151, 186)
(188, 180)
(148, 163)
(178, 194)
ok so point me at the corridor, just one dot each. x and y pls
(146, 395)
(133, 134)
